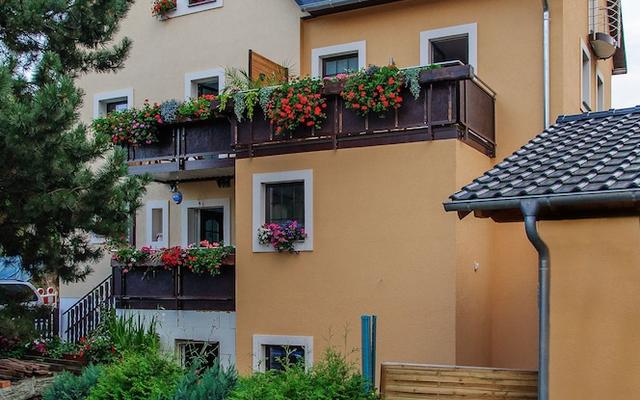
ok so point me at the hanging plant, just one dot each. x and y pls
(196, 108)
(298, 103)
(376, 89)
(239, 105)
(161, 8)
(412, 78)
(250, 101)
(264, 95)
(169, 110)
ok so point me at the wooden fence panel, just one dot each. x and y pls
(411, 381)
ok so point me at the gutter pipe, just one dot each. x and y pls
(571, 199)
(529, 211)
(546, 67)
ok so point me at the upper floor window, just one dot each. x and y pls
(206, 220)
(455, 43)
(284, 202)
(199, 83)
(332, 66)
(117, 105)
(107, 102)
(600, 105)
(184, 7)
(585, 75)
(454, 48)
(157, 224)
(341, 58)
(280, 197)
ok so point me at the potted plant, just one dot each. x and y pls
(162, 8)
(282, 237)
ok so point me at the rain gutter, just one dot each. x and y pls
(321, 5)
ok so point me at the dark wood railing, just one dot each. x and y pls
(150, 286)
(48, 326)
(185, 150)
(453, 103)
(85, 315)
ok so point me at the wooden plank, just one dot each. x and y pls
(262, 68)
(411, 381)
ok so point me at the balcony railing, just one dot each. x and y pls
(190, 150)
(453, 103)
(149, 286)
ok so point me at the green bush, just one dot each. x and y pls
(214, 383)
(138, 376)
(333, 378)
(67, 386)
(129, 333)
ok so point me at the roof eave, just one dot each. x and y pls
(493, 207)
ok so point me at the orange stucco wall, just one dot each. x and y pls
(595, 292)
(382, 245)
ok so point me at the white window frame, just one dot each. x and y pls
(260, 341)
(151, 205)
(181, 344)
(585, 98)
(259, 194)
(191, 80)
(600, 91)
(320, 53)
(224, 203)
(471, 30)
(100, 100)
(183, 7)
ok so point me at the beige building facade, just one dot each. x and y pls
(446, 291)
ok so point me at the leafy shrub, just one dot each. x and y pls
(139, 376)
(332, 378)
(67, 386)
(129, 333)
(214, 383)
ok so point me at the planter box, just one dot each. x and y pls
(152, 287)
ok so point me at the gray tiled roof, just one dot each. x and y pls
(587, 154)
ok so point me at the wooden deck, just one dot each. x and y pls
(413, 381)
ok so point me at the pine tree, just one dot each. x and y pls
(58, 180)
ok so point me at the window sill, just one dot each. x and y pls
(301, 246)
(184, 8)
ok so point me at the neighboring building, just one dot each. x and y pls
(369, 192)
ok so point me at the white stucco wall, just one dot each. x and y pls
(209, 326)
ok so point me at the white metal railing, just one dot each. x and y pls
(606, 18)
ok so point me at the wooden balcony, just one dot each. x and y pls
(453, 104)
(150, 287)
(186, 151)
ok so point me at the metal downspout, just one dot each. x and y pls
(529, 211)
(546, 67)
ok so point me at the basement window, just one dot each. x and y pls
(274, 352)
(190, 351)
(277, 357)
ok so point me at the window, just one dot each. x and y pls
(284, 202)
(586, 78)
(157, 224)
(332, 66)
(270, 352)
(189, 351)
(117, 105)
(203, 82)
(184, 7)
(332, 60)
(455, 48)
(206, 220)
(600, 91)
(104, 103)
(455, 43)
(277, 356)
(283, 196)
